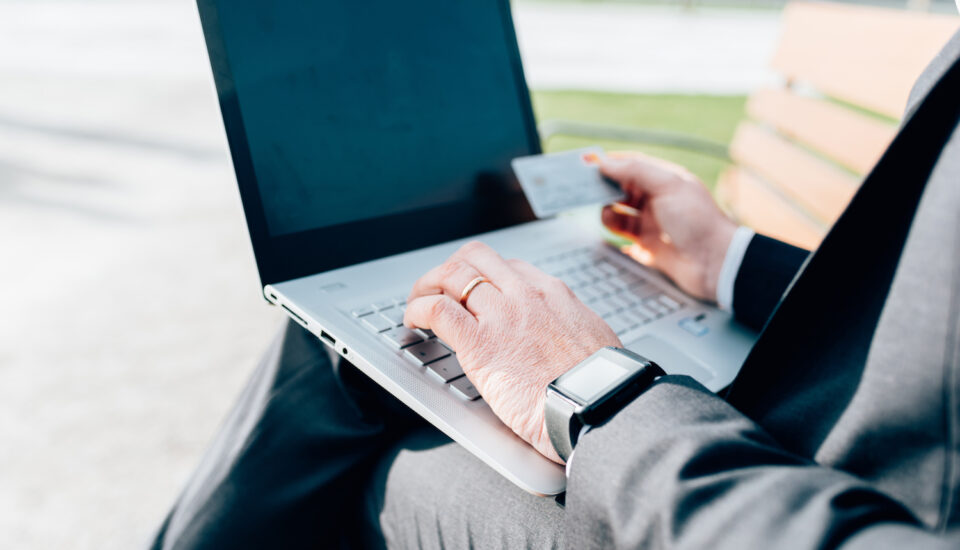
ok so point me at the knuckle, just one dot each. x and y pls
(438, 308)
(451, 268)
(555, 284)
(534, 293)
(472, 247)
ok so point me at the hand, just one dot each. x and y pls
(516, 334)
(679, 229)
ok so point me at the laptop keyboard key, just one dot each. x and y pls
(463, 387)
(617, 283)
(383, 304)
(361, 311)
(582, 296)
(446, 369)
(589, 294)
(446, 345)
(426, 333)
(634, 280)
(402, 337)
(594, 274)
(627, 299)
(654, 305)
(669, 302)
(603, 308)
(639, 317)
(607, 268)
(606, 287)
(620, 323)
(394, 315)
(641, 292)
(376, 323)
(427, 352)
(641, 309)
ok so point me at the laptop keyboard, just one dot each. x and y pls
(624, 299)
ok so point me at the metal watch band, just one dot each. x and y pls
(562, 425)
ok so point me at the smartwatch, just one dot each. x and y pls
(593, 391)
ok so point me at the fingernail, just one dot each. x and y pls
(625, 209)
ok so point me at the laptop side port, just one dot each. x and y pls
(294, 315)
(327, 338)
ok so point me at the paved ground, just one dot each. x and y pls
(627, 48)
(130, 312)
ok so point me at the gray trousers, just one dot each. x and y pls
(315, 455)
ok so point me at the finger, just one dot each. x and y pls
(448, 278)
(636, 175)
(628, 226)
(444, 316)
(651, 252)
(488, 263)
(626, 210)
(451, 278)
(638, 253)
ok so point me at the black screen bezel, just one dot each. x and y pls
(284, 257)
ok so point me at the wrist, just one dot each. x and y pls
(714, 256)
(592, 392)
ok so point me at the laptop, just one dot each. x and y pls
(371, 140)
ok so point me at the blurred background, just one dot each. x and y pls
(131, 314)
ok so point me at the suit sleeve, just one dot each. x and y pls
(767, 269)
(681, 468)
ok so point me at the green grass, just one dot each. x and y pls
(712, 117)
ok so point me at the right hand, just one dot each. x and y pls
(513, 335)
(680, 230)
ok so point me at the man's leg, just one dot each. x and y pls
(287, 466)
(429, 492)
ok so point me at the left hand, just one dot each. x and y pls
(516, 334)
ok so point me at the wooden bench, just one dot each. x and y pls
(847, 72)
(796, 162)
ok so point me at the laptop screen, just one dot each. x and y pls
(367, 128)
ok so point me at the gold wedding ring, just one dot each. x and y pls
(469, 288)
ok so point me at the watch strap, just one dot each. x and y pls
(563, 426)
(563, 416)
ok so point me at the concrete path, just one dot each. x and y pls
(130, 310)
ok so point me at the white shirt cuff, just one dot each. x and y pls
(731, 266)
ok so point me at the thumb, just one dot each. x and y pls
(622, 224)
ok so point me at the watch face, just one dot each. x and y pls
(589, 380)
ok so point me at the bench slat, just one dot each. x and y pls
(864, 55)
(841, 134)
(820, 188)
(756, 205)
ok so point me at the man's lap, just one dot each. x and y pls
(429, 492)
(316, 455)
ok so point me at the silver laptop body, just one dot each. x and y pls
(346, 281)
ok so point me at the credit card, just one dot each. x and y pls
(557, 182)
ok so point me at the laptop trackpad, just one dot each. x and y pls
(670, 359)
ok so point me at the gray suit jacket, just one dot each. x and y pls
(843, 427)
